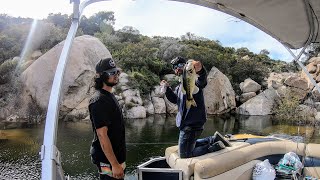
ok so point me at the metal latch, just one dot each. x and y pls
(56, 155)
(41, 153)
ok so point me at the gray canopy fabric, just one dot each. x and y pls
(295, 23)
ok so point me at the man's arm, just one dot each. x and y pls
(201, 71)
(117, 171)
(171, 96)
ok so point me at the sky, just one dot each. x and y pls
(162, 18)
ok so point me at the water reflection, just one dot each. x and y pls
(20, 144)
(228, 124)
(254, 124)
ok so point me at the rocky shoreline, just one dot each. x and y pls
(220, 97)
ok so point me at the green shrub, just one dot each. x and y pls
(287, 106)
(144, 80)
(7, 69)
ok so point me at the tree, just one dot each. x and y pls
(264, 52)
(106, 17)
(96, 22)
(244, 69)
(191, 36)
(4, 21)
(60, 20)
(51, 36)
(243, 52)
(128, 34)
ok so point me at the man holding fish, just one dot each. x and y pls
(188, 95)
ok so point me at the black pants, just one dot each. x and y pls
(104, 176)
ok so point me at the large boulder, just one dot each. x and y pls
(135, 112)
(249, 85)
(123, 81)
(297, 82)
(170, 107)
(218, 94)
(159, 105)
(313, 67)
(149, 107)
(133, 106)
(276, 80)
(132, 96)
(261, 104)
(38, 77)
(246, 96)
(315, 93)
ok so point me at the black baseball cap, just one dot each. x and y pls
(178, 60)
(106, 65)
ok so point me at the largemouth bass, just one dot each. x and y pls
(189, 87)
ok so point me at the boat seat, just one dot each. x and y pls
(243, 172)
(214, 166)
(312, 150)
(187, 164)
(312, 171)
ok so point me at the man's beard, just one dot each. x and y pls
(110, 84)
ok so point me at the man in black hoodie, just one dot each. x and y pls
(191, 121)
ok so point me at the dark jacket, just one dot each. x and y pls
(195, 117)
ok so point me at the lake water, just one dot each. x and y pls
(20, 143)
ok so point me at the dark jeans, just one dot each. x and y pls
(190, 145)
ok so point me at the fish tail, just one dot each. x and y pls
(190, 103)
(193, 103)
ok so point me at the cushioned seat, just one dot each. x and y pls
(187, 164)
(243, 172)
(312, 150)
(312, 171)
(214, 166)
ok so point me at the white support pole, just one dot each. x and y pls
(50, 155)
(296, 59)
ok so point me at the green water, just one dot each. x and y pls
(20, 143)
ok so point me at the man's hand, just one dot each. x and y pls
(117, 172)
(197, 65)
